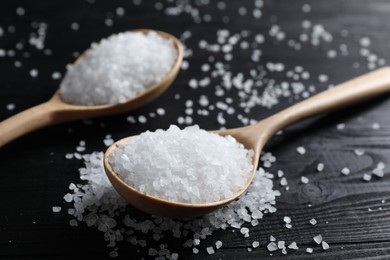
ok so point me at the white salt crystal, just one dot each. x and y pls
(293, 246)
(210, 250)
(376, 126)
(309, 250)
(120, 11)
(365, 41)
(304, 180)
(323, 78)
(287, 219)
(56, 209)
(318, 239)
(34, 73)
(160, 111)
(283, 182)
(359, 152)
(56, 75)
(320, 167)
(367, 177)
(113, 254)
(195, 250)
(74, 26)
(244, 231)
(272, 246)
(301, 150)
(306, 8)
(345, 171)
(174, 256)
(324, 245)
(197, 164)
(68, 197)
(313, 221)
(10, 106)
(281, 244)
(20, 11)
(142, 119)
(272, 238)
(255, 244)
(152, 252)
(381, 165)
(378, 172)
(118, 68)
(73, 223)
(218, 244)
(340, 126)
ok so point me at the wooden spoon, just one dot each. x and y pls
(57, 111)
(255, 137)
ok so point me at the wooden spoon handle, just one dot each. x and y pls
(27, 121)
(362, 88)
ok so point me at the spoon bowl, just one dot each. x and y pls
(255, 137)
(57, 111)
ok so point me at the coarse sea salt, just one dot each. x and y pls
(189, 165)
(118, 68)
(97, 204)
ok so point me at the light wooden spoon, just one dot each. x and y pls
(57, 111)
(255, 137)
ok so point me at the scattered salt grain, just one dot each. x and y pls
(324, 245)
(56, 209)
(272, 246)
(73, 223)
(283, 182)
(320, 167)
(318, 239)
(255, 244)
(304, 180)
(378, 172)
(210, 250)
(301, 150)
(359, 152)
(10, 106)
(189, 168)
(218, 244)
(340, 126)
(309, 250)
(108, 140)
(20, 11)
(245, 231)
(293, 246)
(306, 8)
(56, 75)
(281, 244)
(75, 26)
(322, 78)
(313, 221)
(34, 73)
(118, 68)
(160, 111)
(272, 238)
(287, 219)
(367, 177)
(345, 171)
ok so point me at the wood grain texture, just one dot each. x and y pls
(353, 216)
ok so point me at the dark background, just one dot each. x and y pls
(353, 215)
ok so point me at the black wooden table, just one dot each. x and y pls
(352, 214)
